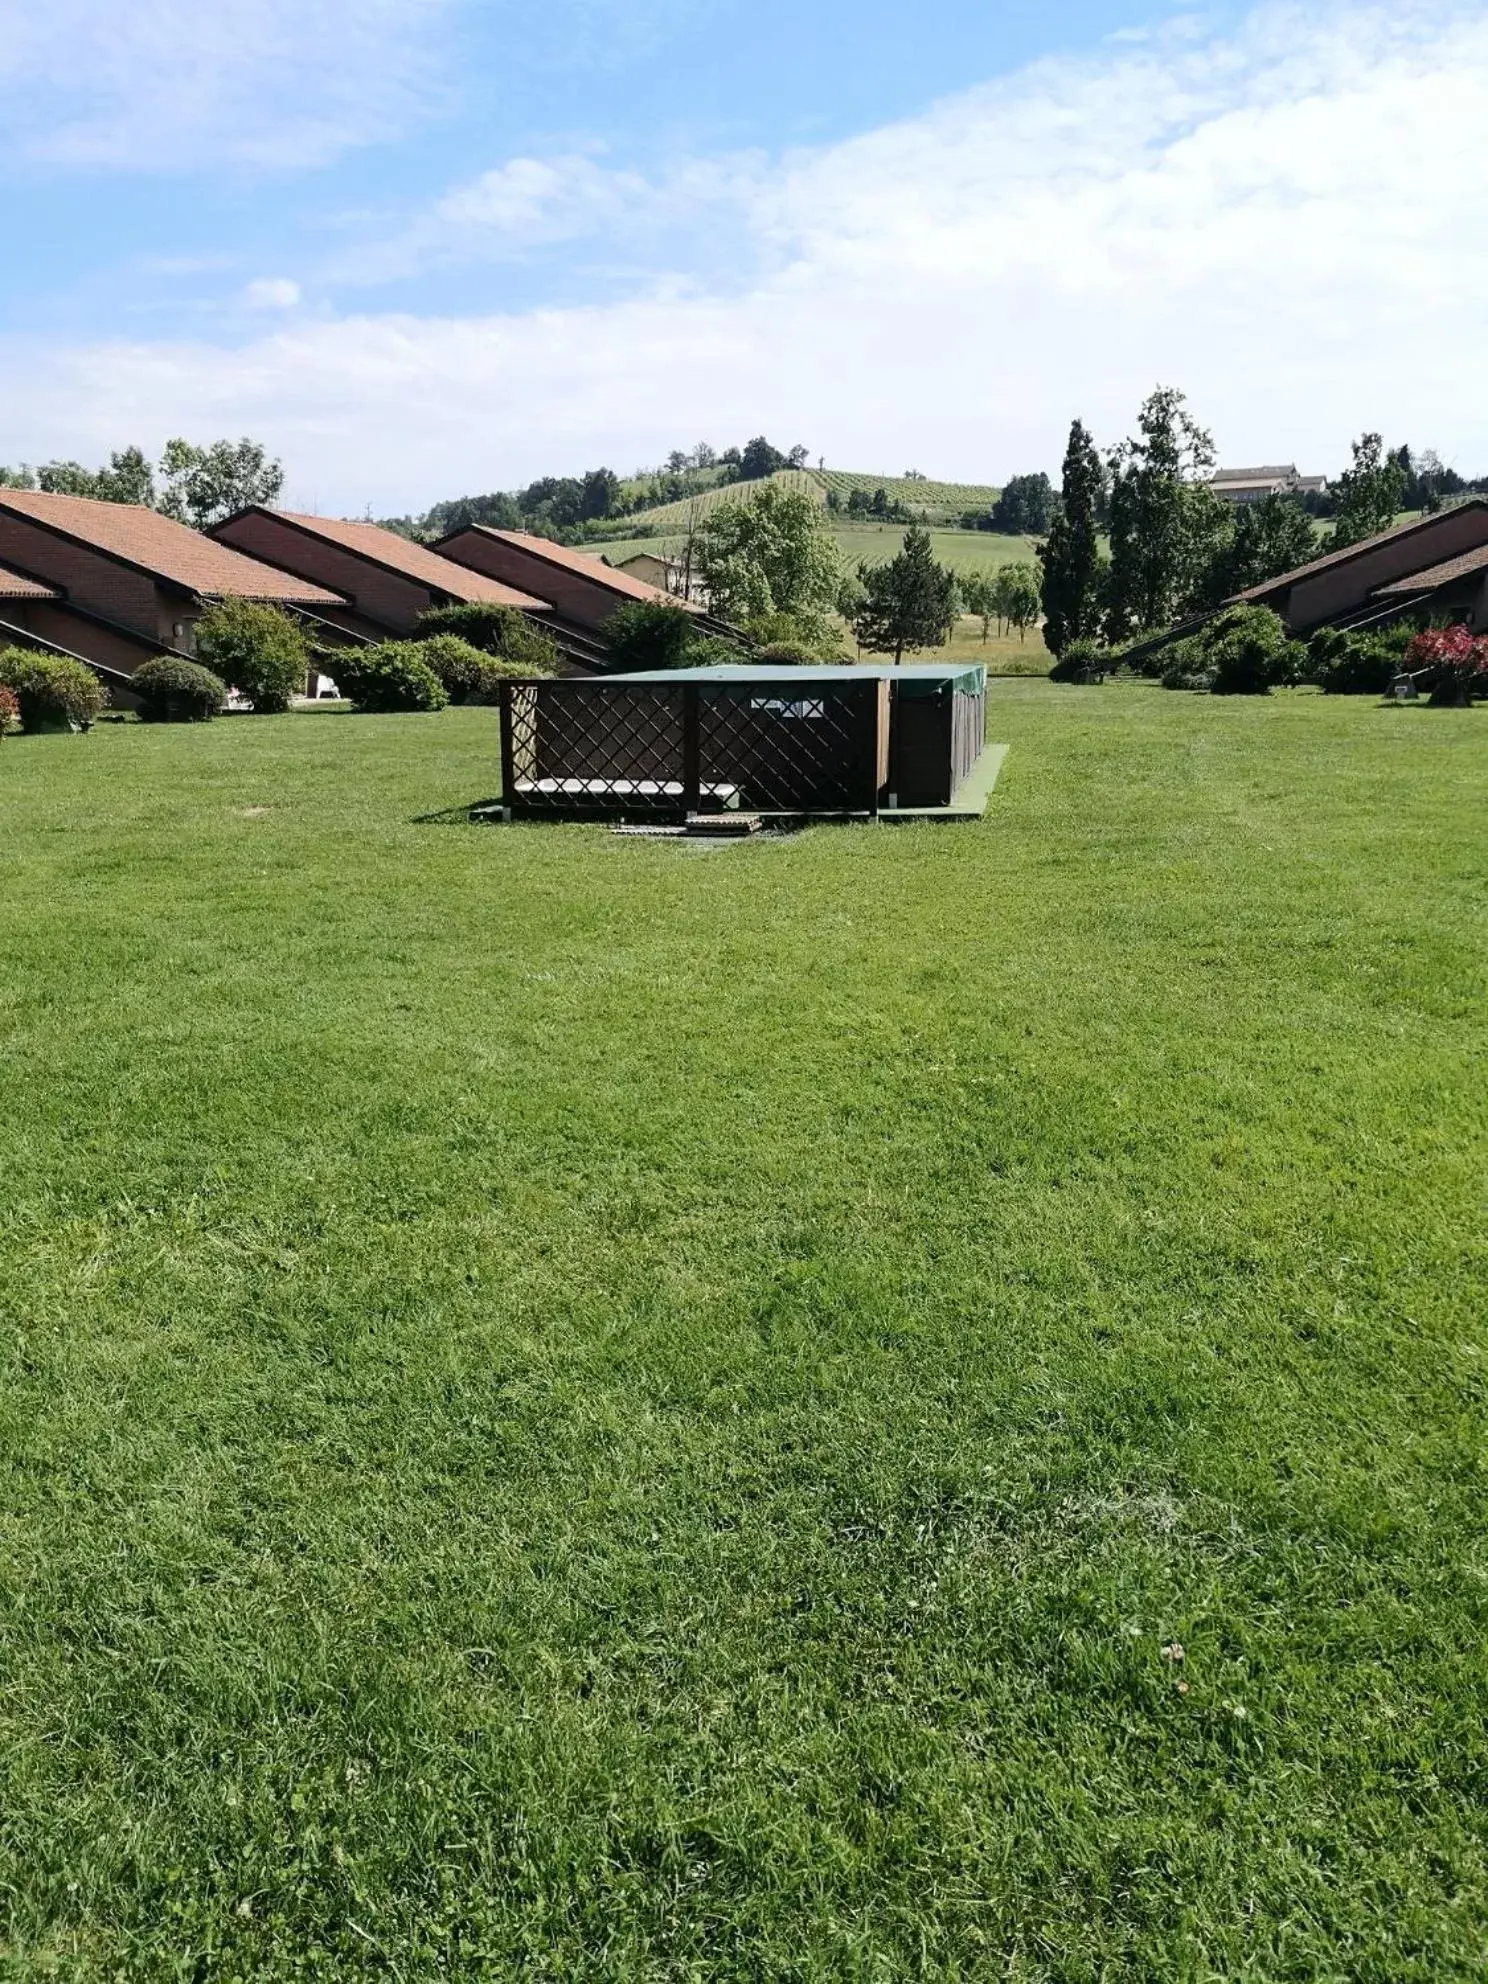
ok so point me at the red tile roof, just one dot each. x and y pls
(15, 585)
(163, 548)
(1461, 567)
(413, 561)
(1349, 551)
(575, 561)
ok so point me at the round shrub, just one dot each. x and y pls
(500, 631)
(1344, 663)
(468, 675)
(1082, 661)
(816, 633)
(784, 654)
(51, 691)
(257, 649)
(393, 677)
(1243, 651)
(10, 709)
(175, 691)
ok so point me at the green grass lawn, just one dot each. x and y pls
(588, 1409)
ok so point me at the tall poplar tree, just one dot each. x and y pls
(1070, 555)
(1166, 523)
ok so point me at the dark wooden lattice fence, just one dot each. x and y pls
(613, 749)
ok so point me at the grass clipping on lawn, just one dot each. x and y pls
(889, 1403)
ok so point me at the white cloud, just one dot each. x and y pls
(272, 293)
(151, 84)
(1288, 223)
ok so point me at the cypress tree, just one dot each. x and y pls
(1071, 554)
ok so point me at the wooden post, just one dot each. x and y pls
(877, 698)
(508, 774)
(692, 756)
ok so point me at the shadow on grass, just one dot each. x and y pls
(461, 816)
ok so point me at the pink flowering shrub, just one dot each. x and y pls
(1453, 662)
(10, 709)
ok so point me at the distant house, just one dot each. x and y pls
(386, 581)
(668, 575)
(113, 584)
(662, 573)
(584, 590)
(1439, 562)
(1249, 485)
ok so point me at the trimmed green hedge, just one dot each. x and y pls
(468, 675)
(390, 678)
(175, 691)
(51, 692)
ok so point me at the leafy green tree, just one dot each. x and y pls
(909, 601)
(204, 485)
(257, 650)
(1026, 506)
(497, 510)
(1368, 494)
(979, 597)
(1165, 521)
(772, 553)
(1266, 538)
(1017, 595)
(600, 494)
(1071, 557)
(67, 479)
(648, 634)
(17, 478)
(759, 459)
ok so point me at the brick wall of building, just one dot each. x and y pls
(385, 601)
(87, 577)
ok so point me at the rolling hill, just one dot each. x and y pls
(927, 502)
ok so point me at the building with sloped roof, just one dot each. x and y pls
(583, 589)
(387, 581)
(1428, 561)
(120, 583)
(1249, 485)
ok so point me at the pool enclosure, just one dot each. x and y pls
(783, 741)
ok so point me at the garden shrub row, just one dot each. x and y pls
(51, 692)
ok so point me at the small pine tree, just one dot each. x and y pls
(1071, 555)
(909, 601)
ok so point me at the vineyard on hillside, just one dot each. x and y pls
(936, 501)
(927, 502)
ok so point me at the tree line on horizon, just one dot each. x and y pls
(194, 485)
(572, 508)
(1174, 548)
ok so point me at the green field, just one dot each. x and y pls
(961, 550)
(588, 1409)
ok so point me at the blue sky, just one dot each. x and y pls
(430, 245)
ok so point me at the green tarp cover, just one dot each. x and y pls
(912, 678)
